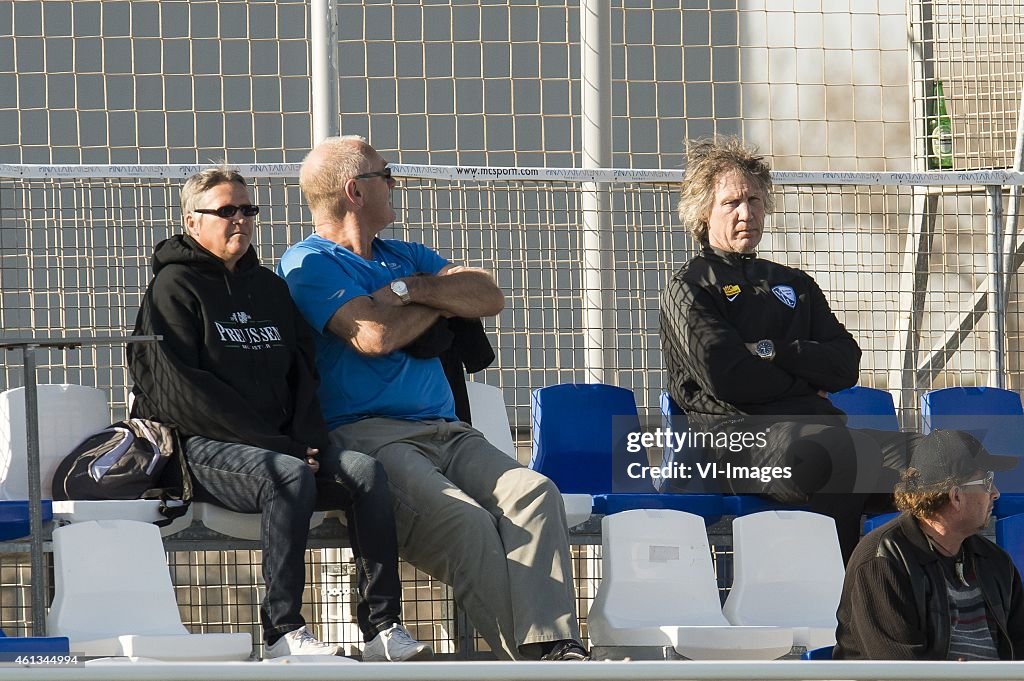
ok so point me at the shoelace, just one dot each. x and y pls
(304, 637)
(400, 635)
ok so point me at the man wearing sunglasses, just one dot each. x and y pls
(926, 585)
(467, 513)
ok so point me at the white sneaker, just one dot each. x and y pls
(299, 642)
(395, 644)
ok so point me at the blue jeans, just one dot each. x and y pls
(285, 491)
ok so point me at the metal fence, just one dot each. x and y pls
(75, 260)
(818, 85)
(74, 252)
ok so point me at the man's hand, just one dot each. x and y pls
(753, 349)
(311, 461)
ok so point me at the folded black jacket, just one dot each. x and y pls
(460, 344)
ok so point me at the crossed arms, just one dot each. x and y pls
(380, 323)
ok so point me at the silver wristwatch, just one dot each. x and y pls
(765, 349)
(401, 289)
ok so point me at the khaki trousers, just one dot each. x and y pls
(474, 518)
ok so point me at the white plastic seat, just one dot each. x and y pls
(578, 508)
(788, 571)
(113, 597)
(487, 405)
(139, 510)
(659, 589)
(67, 415)
(238, 525)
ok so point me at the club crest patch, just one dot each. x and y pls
(786, 294)
(731, 291)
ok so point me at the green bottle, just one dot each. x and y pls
(941, 133)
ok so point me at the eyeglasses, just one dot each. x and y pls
(987, 481)
(386, 174)
(227, 212)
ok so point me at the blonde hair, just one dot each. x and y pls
(326, 169)
(707, 161)
(919, 500)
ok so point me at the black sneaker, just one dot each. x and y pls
(567, 651)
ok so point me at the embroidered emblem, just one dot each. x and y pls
(240, 317)
(731, 291)
(786, 294)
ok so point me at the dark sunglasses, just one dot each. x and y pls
(386, 174)
(227, 212)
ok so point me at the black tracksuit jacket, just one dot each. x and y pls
(236, 363)
(719, 301)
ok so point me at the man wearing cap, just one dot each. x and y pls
(926, 586)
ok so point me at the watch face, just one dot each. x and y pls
(399, 287)
(765, 348)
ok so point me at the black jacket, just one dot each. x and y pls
(894, 604)
(236, 363)
(719, 301)
(463, 347)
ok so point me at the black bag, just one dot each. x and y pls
(132, 459)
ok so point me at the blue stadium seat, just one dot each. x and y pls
(823, 653)
(14, 521)
(876, 521)
(580, 442)
(674, 418)
(867, 408)
(745, 504)
(996, 418)
(734, 504)
(11, 646)
(1010, 536)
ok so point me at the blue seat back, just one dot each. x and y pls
(867, 408)
(669, 407)
(993, 415)
(1010, 536)
(873, 522)
(674, 418)
(579, 438)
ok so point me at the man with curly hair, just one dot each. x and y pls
(753, 349)
(926, 586)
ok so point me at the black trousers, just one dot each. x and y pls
(836, 471)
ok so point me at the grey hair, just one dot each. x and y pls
(205, 180)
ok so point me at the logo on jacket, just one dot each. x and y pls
(731, 291)
(786, 294)
(242, 331)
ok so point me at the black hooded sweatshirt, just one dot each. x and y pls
(236, 363)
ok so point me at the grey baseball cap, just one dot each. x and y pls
(945, 454)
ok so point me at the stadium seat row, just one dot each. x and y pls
(659, 591)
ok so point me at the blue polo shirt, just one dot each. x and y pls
(322, 276)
